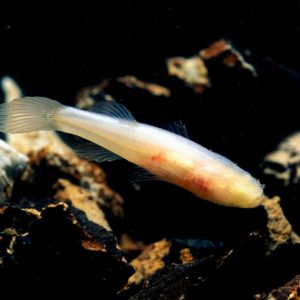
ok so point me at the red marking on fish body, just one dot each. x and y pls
(157, 157)
(196, 184)
(201, 184)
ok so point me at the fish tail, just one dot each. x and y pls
(28, 114)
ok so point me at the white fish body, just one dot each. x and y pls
(169, 156)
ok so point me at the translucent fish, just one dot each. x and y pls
(167, 155)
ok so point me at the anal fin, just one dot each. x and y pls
(141, 175)
(94, 152)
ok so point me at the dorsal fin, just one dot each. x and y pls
(112, 109)
(178, 127)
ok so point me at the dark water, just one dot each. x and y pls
(54, 51)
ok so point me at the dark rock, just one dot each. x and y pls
(54, 235)
(12, 166)
(280, 172)
(291, 290)
(63, 211)
(59, 244)
(200, 277)
(239, 272)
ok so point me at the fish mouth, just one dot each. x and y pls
(256, 202)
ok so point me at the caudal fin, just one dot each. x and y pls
(28, 114)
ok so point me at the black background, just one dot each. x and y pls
(53, 49)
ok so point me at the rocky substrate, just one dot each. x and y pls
(70, 226)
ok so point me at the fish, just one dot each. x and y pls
(113, 133)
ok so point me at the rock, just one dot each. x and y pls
(10, 88)
(291, 291)
(87, 97)
(283, 163)
(86, 174)
(174, 281)
(12, 166)
(229, 55)
(210, 277)
(167, 259)
(128, 245)
(149, 261)
(54, 224)
(59, 240)
(233, 272)
(186, 256)
(192, 71)
(195, 71)
(63, 211)
(280, 230)
(81, 199)
(134, 83)
(136, 94)
(280, 172)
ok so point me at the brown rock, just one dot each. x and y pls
(12, 167)
(186, 256)
(59, 239)
(230, 56)
(283, 163)
(280, 230)
(289, 291)
(127, 244)
(192, 71)
(50, 166)
(149, 261)
(81, 199)
(86, 97)
(155, 89)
